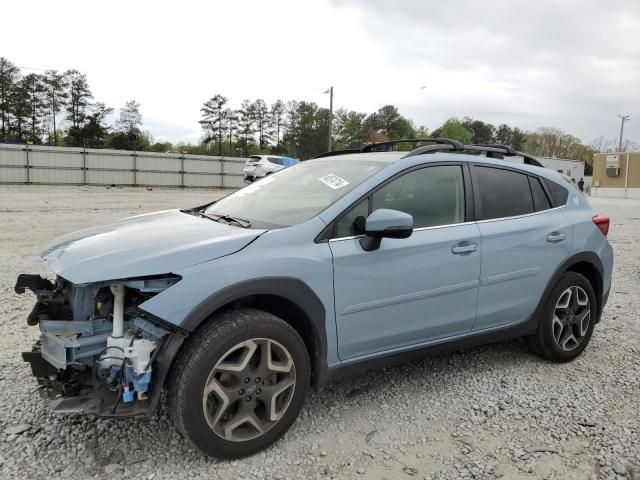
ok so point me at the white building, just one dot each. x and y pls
(570, 168)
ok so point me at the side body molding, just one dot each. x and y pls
(482, 337)
(292, 289)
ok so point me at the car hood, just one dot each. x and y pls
(150, 244)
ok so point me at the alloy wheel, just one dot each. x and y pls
(571, 318)
(249, 389)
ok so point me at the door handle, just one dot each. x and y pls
(555, 237)
(464, 248)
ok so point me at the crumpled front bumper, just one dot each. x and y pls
(61, 360)
(70, 397)
(45, 294)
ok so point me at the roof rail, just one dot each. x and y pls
(447, 141)
(508, 148)
(333, 153)
(442, 147)
(492, 150)
(529, 160)
(512, 152)
(388, 146)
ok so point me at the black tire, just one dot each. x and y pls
(543, 342)
(203, 350)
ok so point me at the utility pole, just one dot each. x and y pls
(623, 118)
(330, 92)
(220, 131)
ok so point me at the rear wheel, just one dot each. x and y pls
(240, 383)
(568, 320)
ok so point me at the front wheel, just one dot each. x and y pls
(240, 383)
(568, 320)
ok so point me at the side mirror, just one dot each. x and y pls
(385, 223)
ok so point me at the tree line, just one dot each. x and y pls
(297, 128)
(301, 129)
(58, 108)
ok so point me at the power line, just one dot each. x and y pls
(31, 68)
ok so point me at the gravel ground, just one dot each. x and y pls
(488, 412)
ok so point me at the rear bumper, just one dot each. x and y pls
(607, 265)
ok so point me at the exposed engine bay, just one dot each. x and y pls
(98, 352)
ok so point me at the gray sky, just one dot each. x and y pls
(572, 64)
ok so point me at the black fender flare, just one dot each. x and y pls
(292, 289)
(590, 258)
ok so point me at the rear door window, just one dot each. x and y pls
(501, 193)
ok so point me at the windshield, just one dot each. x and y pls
(295, 194)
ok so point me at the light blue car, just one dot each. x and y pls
(334, 265)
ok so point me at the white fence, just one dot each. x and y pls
(30, 164)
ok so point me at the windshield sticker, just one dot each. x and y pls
(333, 181)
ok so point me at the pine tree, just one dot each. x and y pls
(129, 135)
(212, 119)
(34, 87)
(55, 85)
(246, 122)
(20, 110)
(230, 119)
(277, 113)
(130, 121)
(9, 75)
(349, 128)
(79, 97)
(95, 131)
(261, 115)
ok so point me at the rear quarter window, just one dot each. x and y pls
(559, 194)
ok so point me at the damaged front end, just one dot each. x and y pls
(99, 353)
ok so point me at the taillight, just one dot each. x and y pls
(602, 223)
